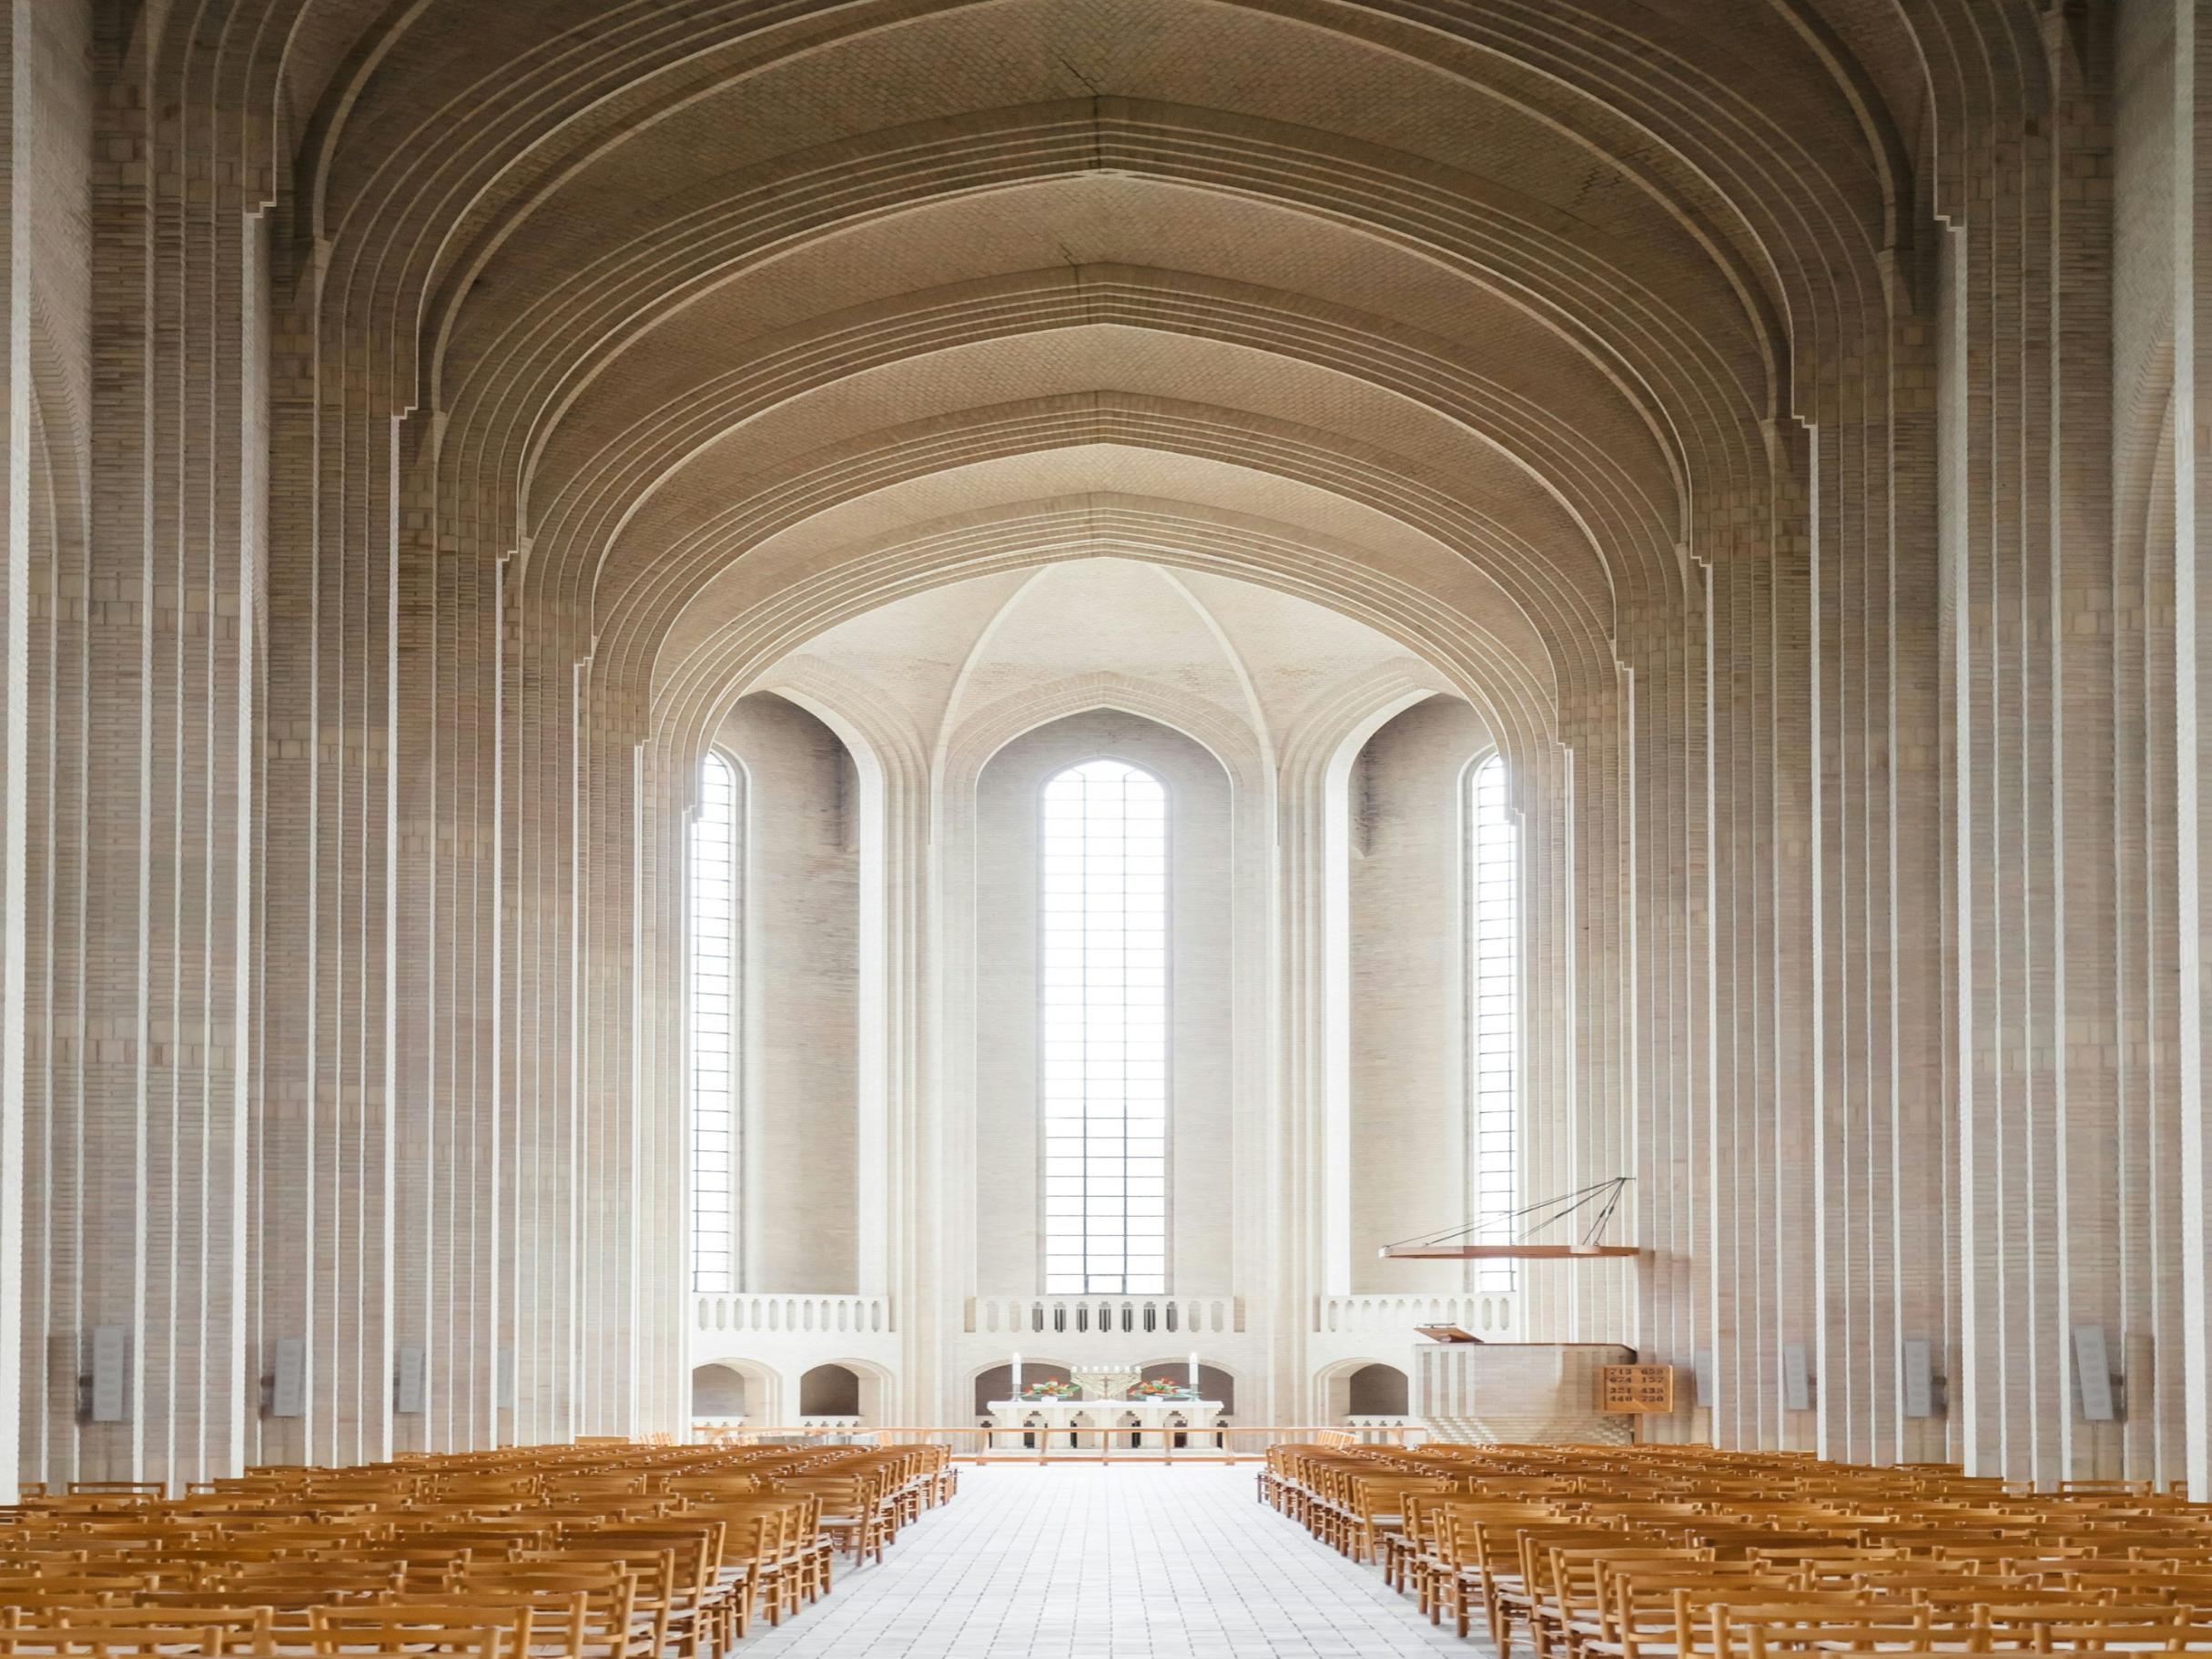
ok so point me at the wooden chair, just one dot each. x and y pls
(89, 1634)
(1807, 1623)
(586, 1609)
(695, 1600)
(436, 1628)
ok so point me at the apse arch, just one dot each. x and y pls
(971, 744)
(750, 542)
(1497, 679)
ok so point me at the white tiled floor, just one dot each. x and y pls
(1090, 1562)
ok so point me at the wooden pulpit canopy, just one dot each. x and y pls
(1452, 1244)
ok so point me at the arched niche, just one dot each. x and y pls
(1411, 1166)
(797, 1057)
(719, 1391)
(1378, 1391)
(756, 1390)
(829, 1391)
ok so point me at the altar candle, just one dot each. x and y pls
(1017, 1376)
(1195, 1374)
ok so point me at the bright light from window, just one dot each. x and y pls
(713, 1031)
(1494, 1017)
(1103, 1030)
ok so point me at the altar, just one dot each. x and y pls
(1055, 1423)
(1102, 1419)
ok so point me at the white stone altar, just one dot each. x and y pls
(1025, 1423)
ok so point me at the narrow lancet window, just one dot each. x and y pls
(1103, 1026)
(1494, 1013)
(714, 1030)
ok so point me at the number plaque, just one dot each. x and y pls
(1635, 1388)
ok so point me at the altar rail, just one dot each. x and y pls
(1486, 1314)
(1061, 1445)
(1106, 1315)
(790, 1311)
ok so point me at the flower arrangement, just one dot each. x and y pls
(1158, 1388)
(1050, 1389)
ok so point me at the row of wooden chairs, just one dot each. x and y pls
(602, 1549)
(1688, 1552)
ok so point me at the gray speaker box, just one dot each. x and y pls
(408, 1390)
(1796, 1379)
(287, 1391)
(110, 1389)
(2092, 1374)
(1919, 1377)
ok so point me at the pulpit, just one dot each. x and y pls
(1522, 1392)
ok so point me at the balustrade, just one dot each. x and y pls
(1492, 1315)
(788, 1313)
(1070, 1316)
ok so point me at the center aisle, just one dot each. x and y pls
(1115, 1563)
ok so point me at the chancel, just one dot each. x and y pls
(1108, 1407)
(804, 801)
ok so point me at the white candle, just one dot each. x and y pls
(1195, 1374)
(1017, 1376)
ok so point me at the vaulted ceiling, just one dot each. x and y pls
(1473, 320)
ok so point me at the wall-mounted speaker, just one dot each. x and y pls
(2093, 1373)
(109, 1389)
(1919, 1377)
(1796, 1379)
(408, 1383)
(288, 1379)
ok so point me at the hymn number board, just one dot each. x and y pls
(1636, 1388)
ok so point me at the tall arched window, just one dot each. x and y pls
(1103, 978)
(714, 1029)
(1494, 1006)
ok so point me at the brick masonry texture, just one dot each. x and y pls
(426, 425)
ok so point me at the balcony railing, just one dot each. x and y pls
(1106, 1315)
(791, 1312)
(1490, 1314)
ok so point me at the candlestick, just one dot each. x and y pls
(1195, 1374)
(1017, 1376)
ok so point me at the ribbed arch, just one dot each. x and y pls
(1634, 522)
(1575, 638)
